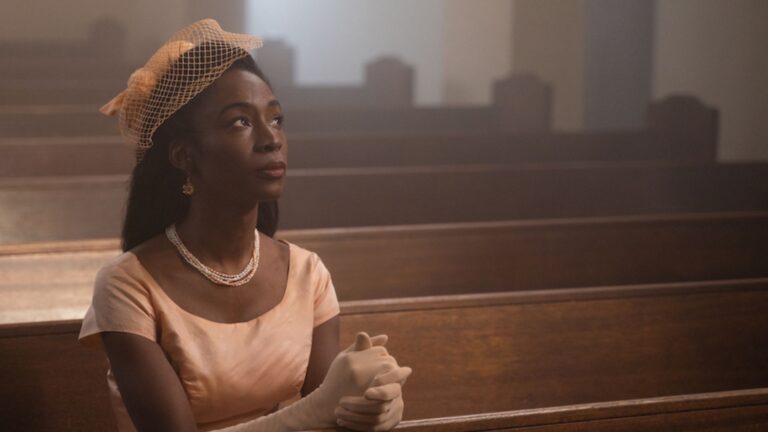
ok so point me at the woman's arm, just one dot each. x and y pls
(150, 388)
(349, 374)
(325, 347)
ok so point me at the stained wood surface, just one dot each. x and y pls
(484, 354)
(54, 281)
(610, 344)
(51, 140)
(104, 155)
(741, 410)
(70, 208)
(42, 119)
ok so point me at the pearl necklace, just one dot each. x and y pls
(215, 276)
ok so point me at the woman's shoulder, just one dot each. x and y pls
(121, 274)
(124, 263)
(305, 259)
(316, 281)
(127, 267)
(300, 253)
(122, 301)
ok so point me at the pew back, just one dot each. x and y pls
(731, 411)
(102, 155)
(49, 282)
(495, 352)
(63, 119)
(70, 208)
(473, 354)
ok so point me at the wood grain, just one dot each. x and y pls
(54, 281)
(494, 353)
(71, 208)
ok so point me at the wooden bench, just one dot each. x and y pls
(471, 354)
(77, 141)
(740, 410)
(51, 120)
(691, 126)
(104, 155)
(54, 281)
(383, 103)
(70, 208)
(35, 92)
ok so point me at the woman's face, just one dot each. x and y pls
(238, 142)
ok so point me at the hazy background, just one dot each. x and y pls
(604, 58)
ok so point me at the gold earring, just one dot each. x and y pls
(188, 189)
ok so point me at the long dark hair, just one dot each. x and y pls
(155, 200)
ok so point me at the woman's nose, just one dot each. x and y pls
(270, 146)
(268, 140)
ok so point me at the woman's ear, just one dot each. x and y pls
(179, 155)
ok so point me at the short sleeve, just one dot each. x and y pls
(326, 303)
(121, 302)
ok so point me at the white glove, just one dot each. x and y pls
(351, 373)
(380, 409)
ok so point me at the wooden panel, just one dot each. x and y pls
(360, 197)
(50, 383)
(744, 410)
(69, 208)
(65, 156)
(678, 128)
(54, 281)
(44, 118)
(477, 354)
(522, 355)
(98, 155)
(381, 262)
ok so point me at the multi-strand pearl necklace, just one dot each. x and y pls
(215, 276)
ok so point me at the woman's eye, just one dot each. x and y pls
(278, 121)
(241, 122)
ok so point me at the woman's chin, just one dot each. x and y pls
(269, 192)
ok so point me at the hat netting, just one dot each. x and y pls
(184, 66)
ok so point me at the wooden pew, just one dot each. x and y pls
(70, 208)
(731, 411)
(104, 155)
(59, 120)
(441, 259)
(383, 103)
(52, 120)
(677, 128)
(557, 347)
(54, 281)
(474, 354)
(46, 92)
(691, 127)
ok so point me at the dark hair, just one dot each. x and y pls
(155, 200)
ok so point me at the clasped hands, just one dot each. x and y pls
(380, 407)
(361, 391)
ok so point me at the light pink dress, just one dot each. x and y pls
(231, 372)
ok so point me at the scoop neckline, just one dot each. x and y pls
(198, 317)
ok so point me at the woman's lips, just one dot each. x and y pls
(271, 173)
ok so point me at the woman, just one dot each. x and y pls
(208, 322)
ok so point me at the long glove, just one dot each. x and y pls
(380, 409)
(350, 374)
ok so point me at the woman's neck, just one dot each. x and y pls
(221, 237)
